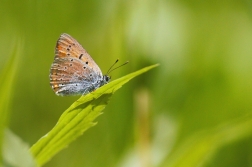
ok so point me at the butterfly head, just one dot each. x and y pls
(106, 78)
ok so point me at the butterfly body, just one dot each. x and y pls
(73, 71)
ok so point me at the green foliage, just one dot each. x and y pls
(78, 118)
(7, 79)
(201, 147)
(195, 99)
(16, 152)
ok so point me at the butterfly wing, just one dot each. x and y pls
(67, 46)
(73, 70)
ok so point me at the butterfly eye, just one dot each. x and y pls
(107, 78)
(84, 67)
(87, 62)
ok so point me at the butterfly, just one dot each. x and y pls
(73, 71)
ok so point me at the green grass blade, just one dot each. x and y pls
(16, 152)
(198, 149)
(7, 78)
(78, 118)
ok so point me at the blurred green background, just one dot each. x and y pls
(193, 110)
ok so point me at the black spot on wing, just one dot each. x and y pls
(80, 56)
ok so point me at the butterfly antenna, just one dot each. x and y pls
(112, 66)
(109, 71)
